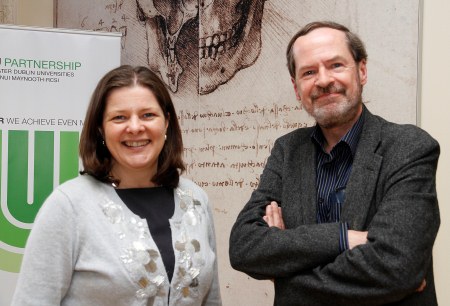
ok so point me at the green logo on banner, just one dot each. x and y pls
(16, 186)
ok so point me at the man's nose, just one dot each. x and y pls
(324, 77)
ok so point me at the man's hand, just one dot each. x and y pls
(356, 238)
(273, 215)
(422, 286)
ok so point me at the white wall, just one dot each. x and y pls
(435, 112)
(435, 108)
(35, 13)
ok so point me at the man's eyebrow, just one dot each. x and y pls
(336, 58)
(332, 59)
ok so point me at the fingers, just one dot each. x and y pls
(278, 216)
(273, 215)
(422, 286)
(269, 215)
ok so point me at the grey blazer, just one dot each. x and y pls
(391, 194)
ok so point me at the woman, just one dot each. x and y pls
(129, 230)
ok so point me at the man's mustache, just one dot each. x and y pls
(319, 91)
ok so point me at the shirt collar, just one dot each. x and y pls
(351, 138)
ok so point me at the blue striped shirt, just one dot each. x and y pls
(333, 171)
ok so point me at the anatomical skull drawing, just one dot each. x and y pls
(228, 40)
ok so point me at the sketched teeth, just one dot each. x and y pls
(213, 46)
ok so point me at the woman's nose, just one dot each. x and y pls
(135, 125)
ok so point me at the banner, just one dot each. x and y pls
(46, 79)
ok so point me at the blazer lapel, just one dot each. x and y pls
(303, 174)
(363, 179)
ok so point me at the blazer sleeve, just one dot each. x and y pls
(265, 252)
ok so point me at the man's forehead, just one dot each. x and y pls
(323, 44)
(319, 37)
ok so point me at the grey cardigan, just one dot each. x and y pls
(391, 194)
(87, 248)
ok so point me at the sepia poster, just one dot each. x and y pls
(224, 64)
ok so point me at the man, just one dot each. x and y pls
(346, 212)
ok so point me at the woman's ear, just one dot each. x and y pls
(167, 120)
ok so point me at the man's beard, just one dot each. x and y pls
(340, 111)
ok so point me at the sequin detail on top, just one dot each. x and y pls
(137, 255)
(190, 261)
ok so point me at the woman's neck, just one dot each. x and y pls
(132, 179)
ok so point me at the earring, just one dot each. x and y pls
(103, 142)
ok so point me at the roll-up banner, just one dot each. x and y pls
(46, 79)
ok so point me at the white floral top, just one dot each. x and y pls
(88, 248)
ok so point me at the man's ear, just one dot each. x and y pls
(362, 71)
